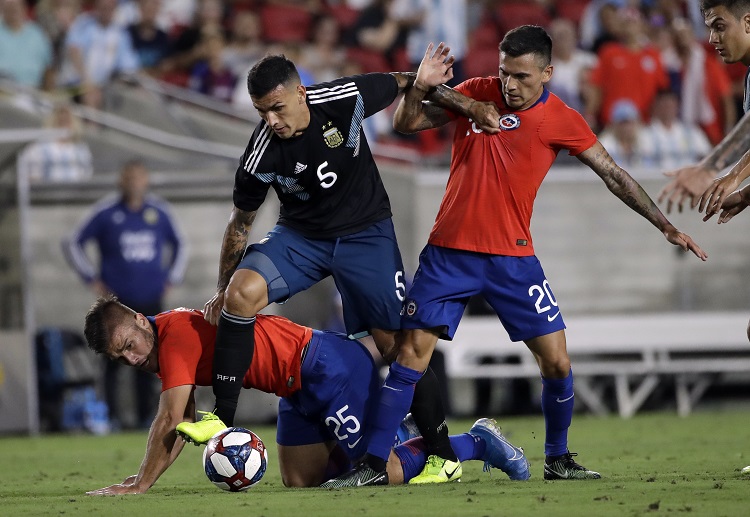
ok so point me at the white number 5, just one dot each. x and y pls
(341, 421)
(327, 178)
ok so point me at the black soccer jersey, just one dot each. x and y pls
(326, 178)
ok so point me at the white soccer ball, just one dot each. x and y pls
(235, 459)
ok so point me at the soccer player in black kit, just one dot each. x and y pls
(335, 220)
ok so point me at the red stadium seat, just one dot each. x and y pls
(571, 9)
(513, 13)
(282, 23)
(346, 16)
(369, 60)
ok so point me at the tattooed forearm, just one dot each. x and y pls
(413, 114)
(734, 145)
(448, 98)
(622, 185)
(234, 244)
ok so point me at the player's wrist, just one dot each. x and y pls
(421, 87)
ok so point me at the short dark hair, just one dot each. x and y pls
(270, 72)
(103, 314)
(528, 39)
(738, 8)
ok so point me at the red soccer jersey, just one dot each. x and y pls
(494, 179)
(186, 352)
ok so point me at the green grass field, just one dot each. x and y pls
(653, 464)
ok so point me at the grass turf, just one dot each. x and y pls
(652, 464)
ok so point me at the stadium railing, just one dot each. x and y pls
(635, 352)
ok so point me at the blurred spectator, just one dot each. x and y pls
(64, 159)
(55, 17)
(665, 12)
(435, 21)
(210, 76)
(626, 139)
(245, 46)
(188, 49)
(378, 30)
(149, 41)
(627, 69)
(674, 143)
(572, 65)
(173, 15)
(324, 55)
(95, 51)
(133, 231)
(600, 23)
(25, 51)
(705, 86)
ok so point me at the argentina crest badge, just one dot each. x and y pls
(332, 135)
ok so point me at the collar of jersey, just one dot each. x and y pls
(541, 100)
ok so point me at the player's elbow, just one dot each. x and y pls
(403, 125)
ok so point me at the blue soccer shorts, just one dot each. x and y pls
(340, 386)
(366, 267)
(515, 287)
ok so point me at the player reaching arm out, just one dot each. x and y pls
(163, 446)
(630, 192)
(691, 182)
(414, 115)
(714, 197)
(728, 22)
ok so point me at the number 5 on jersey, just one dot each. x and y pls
(327, 178)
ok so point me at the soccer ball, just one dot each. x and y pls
(235, 459)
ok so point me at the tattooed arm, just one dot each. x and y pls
(629, 191)
(232, 248)
(691, 182)
(413, 114)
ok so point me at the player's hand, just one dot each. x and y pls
(486, 116)
(212, 309)
(732, 205)
(436, 67)
(713, 198)
(684, 241)
(119, 489)
(687, 183)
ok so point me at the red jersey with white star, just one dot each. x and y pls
(494, 179)
(186, 351)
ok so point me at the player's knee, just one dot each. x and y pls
(293, 481)
(245, 296)
(416, 349)
(556, 367)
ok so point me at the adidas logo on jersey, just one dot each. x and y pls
(299, 168)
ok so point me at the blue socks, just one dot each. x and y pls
(413, 454)
(557, 406)
(396, 396)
